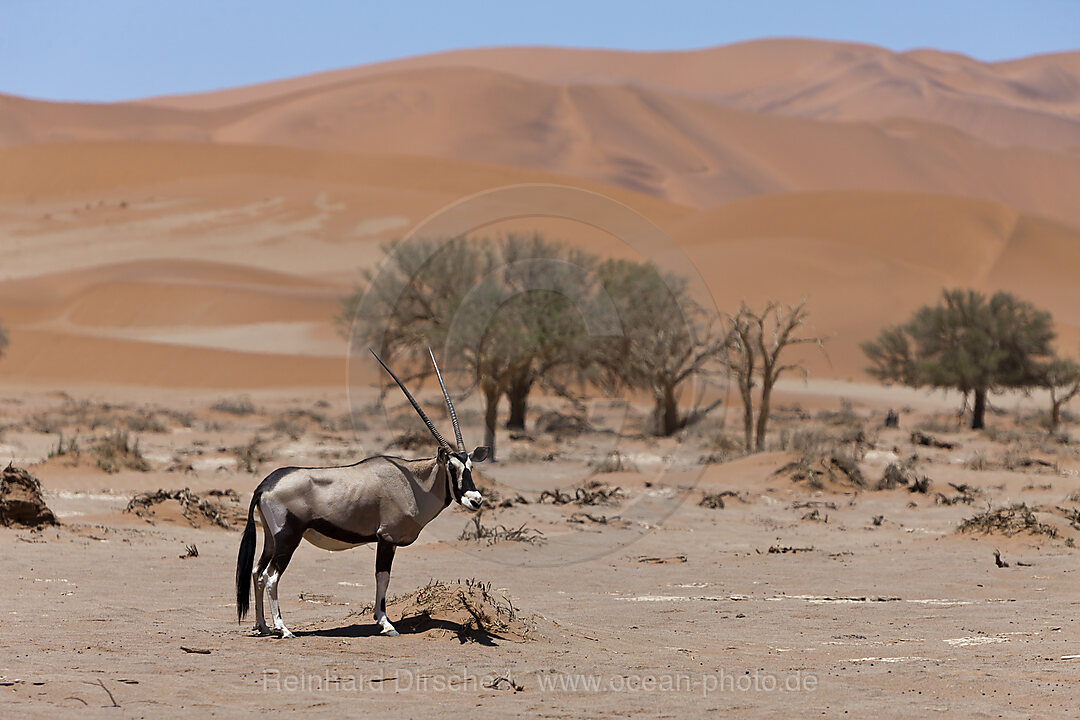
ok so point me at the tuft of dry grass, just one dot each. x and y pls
(615, 461)
(250, 456)
(476, 530)
(241, 406)
(116, 452)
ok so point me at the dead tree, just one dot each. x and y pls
(755, 342)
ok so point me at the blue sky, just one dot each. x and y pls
(122, 49)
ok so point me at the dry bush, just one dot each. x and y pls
(144, 421)
(241, 405)
(65, 449)
(116, 451)
(293, 429)
(591, 492)
(226, 513)
(715, 501)
(829, 469)
(250, 456)
(476, 530)
(21, 502)
(965, 494)
(467, 609)
(615, 461)
(1008, 521)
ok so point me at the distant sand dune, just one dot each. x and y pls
(206, 240)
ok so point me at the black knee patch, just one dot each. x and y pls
(384, 557)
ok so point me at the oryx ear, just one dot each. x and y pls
(480, 454)
(444, 455)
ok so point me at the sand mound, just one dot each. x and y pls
(467, 610)
(184, 506)
(20, 500)
(825, 472)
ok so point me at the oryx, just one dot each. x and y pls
(383, 499)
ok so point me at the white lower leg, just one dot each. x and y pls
(382, 581)
(275, 608)
(259, 581)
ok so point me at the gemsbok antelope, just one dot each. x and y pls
(382, 499)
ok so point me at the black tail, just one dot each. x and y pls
(244, 562)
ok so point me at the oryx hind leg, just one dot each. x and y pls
(283, 543)
(259, 576)
(384, 558)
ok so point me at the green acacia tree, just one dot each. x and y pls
(968, 343)
(664, 340)
(508, 312)
(1062, 379)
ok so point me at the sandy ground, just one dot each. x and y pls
(667, 609)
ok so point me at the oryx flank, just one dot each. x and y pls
(382, 499)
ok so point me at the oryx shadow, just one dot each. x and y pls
(413, 625)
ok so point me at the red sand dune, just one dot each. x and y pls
(206, 239)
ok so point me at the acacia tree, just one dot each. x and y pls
(664, 340)
(1061, 377)
(753, 345)
(555, 287)
(967, 343)
(506, 311)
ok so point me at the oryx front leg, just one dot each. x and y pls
(384, 558)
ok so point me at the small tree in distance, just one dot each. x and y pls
(754, 343)
(666, 339)
(966, 343)
(1062, 379)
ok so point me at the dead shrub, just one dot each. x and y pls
(116, 452)
(194, 508)
(241, 405)
(21, 502)
(1007, 521)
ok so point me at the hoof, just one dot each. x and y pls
(390, 632)
(287, 636)
(261, 631)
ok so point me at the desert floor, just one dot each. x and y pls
(797, 598)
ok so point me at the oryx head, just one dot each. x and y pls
(457, 463)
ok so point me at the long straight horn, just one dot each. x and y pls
(416, 406)
(449, 405)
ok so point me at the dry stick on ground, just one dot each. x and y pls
(107, 692)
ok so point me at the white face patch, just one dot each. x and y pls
(471, 499)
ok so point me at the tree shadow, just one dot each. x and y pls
(414, 625)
